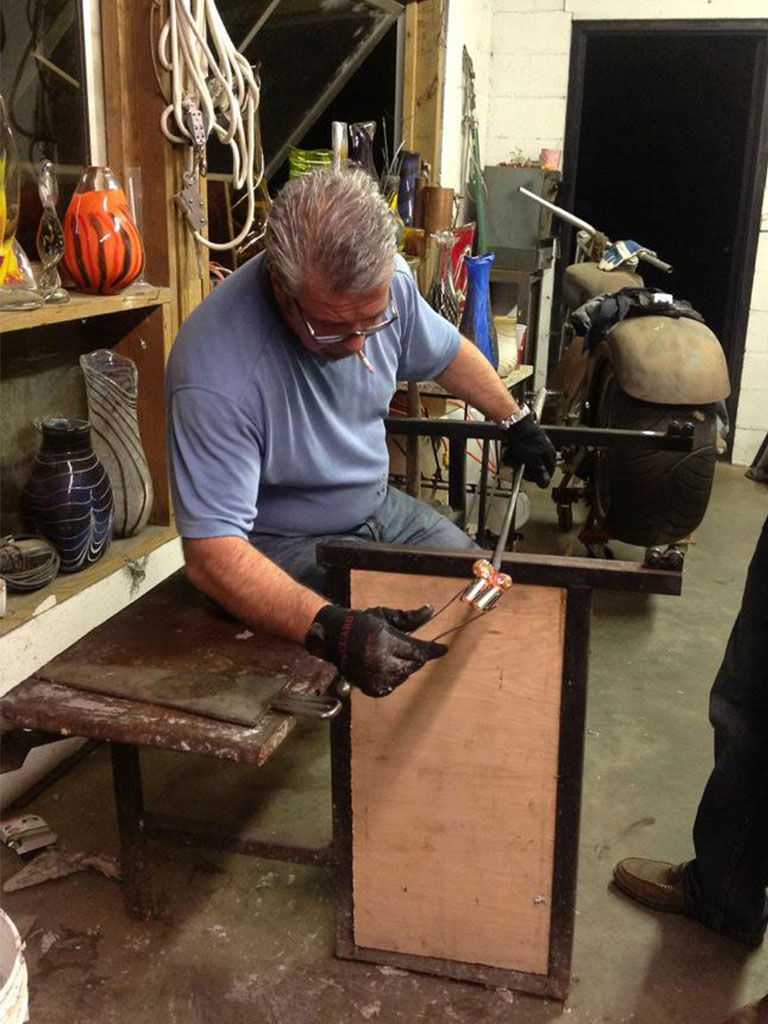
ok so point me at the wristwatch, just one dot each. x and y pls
(515, 417)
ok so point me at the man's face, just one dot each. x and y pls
(329, 312)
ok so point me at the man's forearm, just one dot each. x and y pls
(470, 376)
(251, 587)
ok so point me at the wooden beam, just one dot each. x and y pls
(424, 79)
(544, 570)
(133, 105)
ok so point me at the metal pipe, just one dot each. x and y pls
(509, 516)
(678, 437)
(559, 211)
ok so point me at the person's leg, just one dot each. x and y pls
(406, 520)
(726, 881)
(399, 520)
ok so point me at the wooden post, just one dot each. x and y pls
(133, 106)
(424, 79)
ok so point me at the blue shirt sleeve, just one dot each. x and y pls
(429, 343)
(215, 462)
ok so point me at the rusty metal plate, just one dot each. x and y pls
(228, 697)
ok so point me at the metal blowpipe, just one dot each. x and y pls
(490, 584)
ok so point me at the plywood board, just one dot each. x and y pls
(454, 781)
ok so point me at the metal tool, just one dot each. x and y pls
(490, 584)
(306, 705)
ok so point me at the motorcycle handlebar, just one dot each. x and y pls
(656, 262)
(585, 226)
(559, 211)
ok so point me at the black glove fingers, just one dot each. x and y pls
(537, 474)
(405, 620)
(415, 617)
(431, 650)
(526, 443)
(371, 652)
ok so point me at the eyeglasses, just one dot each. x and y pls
(364, 332)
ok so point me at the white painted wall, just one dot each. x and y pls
(521, 50)
(470, 24)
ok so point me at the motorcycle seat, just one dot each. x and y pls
(583, 281)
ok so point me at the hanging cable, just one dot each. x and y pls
(213, 89)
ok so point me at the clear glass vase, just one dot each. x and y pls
(103, 253)
(135, 193)
(442, 295)
(111, 386)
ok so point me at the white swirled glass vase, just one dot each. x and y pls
(111, 384)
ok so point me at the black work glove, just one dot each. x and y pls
(371, 648)
(526, 442)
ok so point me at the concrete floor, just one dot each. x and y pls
(242, 940)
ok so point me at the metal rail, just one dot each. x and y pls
(678, 437)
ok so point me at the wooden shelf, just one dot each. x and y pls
(81, 307)
(38, 626)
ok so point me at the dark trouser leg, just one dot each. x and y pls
(129, 803)
(727, 880)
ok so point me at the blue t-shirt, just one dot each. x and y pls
(259, 426)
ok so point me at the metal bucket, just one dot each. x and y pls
(13, 974)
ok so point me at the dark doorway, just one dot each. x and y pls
(666, 144)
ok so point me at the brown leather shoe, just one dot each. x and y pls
(755, 1013)
(654, 883)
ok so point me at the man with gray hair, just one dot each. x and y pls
(276, 424)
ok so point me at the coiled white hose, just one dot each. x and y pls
(221, 82)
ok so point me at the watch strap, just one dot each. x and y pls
(515, 417)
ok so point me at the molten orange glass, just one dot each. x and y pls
(103, 253)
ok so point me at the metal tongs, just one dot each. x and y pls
(306, 705)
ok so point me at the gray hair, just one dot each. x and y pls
(335, 223)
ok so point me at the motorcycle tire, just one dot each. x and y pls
(646, 497)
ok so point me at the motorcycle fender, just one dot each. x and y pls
(668, 361)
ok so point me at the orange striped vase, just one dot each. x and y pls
(103, 253)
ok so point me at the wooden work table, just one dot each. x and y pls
(172, 633)
(173, 628)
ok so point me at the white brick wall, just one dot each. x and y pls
(537, 32)
(654, 10)
(529, 78)
(752, 415)
(470, 24)
(757, 331)
(528, 83)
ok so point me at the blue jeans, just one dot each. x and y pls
(726, 881)
(399, 520)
